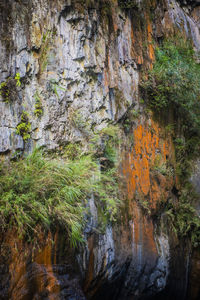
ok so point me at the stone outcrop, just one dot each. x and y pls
(82, 61)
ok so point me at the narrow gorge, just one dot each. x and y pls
(99, 149)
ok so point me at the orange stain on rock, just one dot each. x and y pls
(150, 41)
(46, 258)
(143, 180)
(146, 183)
(23, 258)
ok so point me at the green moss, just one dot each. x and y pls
(24, 127)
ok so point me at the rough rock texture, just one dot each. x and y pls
(83, 65)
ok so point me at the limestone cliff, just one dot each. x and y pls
(79, 65)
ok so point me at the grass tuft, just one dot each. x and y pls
(39, 192)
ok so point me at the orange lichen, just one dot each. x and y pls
(138, 164)
(146, 186)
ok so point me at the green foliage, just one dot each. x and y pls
(41, 192)
(170, 128)
(8, 88)
(175, 82)
(106, 189)
(161, 166)
(24, 127)
(73, 151)
(4, 91)
(17, 78)
(38, 111)
(183, 216)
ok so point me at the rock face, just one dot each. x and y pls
(79, 64)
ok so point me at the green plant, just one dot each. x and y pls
(73, 151)
(17, 78)
(47, 41)
(24, 127)
(174, 83)
(184, 218)
(4, 91)
(42, 192)
(38, 112)
(8, 88)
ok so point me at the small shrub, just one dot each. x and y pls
(17, 78)
(24, 127)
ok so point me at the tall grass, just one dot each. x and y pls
(39, 192)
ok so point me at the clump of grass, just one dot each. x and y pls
(38, 192)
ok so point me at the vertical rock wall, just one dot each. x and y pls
(82, 64)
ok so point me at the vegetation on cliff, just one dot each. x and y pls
(173, 89)
(42, 192)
